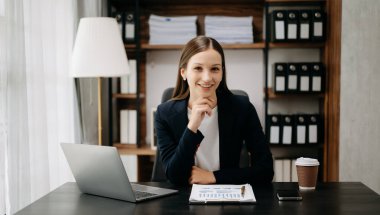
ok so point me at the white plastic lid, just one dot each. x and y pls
(307, 162)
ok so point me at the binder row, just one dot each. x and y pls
(126, 22)
(299, 77)
(285, 170)
(294, 129)
(128, 126)
(298, 25)
(128, 83)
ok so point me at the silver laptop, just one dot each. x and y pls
(98, 170)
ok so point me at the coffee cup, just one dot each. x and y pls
(307, 172)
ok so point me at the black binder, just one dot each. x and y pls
(280, 79)
(305, 23)
(292, 78)
(314, 128)
(304, 77)
(292, 27)
(273, 123)
(287, 129)
(301, 129)
(119, 19)
(318, 20)
(317, 78)
(129, 32)
(278, 25)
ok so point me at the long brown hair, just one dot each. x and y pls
(194, 46)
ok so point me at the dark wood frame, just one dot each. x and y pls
(332, 101)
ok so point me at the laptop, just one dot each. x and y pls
(98, 170)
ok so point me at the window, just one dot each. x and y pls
(2, 7)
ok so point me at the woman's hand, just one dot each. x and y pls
(199, 108)
(201, 176)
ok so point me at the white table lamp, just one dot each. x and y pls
(99, 52)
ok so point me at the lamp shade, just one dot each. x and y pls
(99, 50)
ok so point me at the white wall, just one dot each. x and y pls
(360, 97)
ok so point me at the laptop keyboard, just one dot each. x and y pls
(143, 195)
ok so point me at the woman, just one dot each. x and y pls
(200, 131)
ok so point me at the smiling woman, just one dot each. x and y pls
(200, 132)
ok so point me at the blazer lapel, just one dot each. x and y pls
(179, 118)
(226, 123)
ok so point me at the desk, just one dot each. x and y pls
(329, 198)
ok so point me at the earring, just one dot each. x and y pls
(184, 79)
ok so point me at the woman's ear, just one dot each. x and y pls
(183, 74)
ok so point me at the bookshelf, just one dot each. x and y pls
(126, 149)
(258, 9)
(293, 150)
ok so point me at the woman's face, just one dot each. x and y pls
(203, 74)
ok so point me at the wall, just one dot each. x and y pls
(360, 100)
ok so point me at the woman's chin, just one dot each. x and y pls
(206, 91)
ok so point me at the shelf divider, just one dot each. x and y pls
(273, 95)
(133, 149)
(259, 45)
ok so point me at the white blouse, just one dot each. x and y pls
(207, 155)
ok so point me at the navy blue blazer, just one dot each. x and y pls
(238, 122)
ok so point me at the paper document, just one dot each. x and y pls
(229, 30)
(171, 30)
(203, 194)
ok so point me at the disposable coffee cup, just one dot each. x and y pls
(307, 172)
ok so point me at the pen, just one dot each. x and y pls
(242, 191)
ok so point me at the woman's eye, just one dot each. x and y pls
(197, 68)
(215, 69)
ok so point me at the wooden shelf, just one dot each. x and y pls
(259, 45)
(296, 45)
(130, 46)
(126, 96)
(292, 1)
(161, 47)
(295, 151)
(132, 149)
(198, 2)
(273, 95)
(294, 145)
(330, 52)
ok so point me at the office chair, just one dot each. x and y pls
(158, 173)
